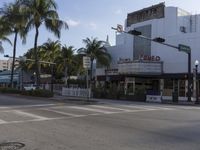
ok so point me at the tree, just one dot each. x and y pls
(42, 11)
(4, 31)
(3, 38)
(67, 57)
(14, 22)
(96, 51)
(52, 50)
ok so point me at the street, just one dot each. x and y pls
(48, 125)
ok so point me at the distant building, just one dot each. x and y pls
(7, 64)
(138, 63)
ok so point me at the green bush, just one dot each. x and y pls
(9, 90)
(110, 91)
(38, 93)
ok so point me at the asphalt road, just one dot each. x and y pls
(43, 125)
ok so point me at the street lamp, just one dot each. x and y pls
(196, 73)
(34, 74)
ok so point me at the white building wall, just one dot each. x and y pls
(122, 50)
(3, 65)
(168, 28)
(7, 64)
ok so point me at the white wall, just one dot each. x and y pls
(168, 28)
(123, 50)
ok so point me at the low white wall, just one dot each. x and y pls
(159, 98)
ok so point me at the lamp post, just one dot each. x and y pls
(196, 74)
(34, 74)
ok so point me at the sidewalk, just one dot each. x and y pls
(179, 102)
(82, 100)
(75, 100)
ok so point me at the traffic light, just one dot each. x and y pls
(159, 40)
(6, 56)
(135, 32)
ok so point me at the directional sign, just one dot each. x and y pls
(120, 28)
(184, 48)
(86, 62)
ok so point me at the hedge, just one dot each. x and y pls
(38, 93)
(9, 90)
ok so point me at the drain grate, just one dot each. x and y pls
(11, 146)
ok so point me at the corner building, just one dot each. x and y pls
(160, 69)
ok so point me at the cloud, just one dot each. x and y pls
(118, 12)
(73, 23)
(93, 25)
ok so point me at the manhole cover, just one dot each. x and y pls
(11, 146)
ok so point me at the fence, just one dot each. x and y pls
(76, 92)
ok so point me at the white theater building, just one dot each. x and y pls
(137, 62)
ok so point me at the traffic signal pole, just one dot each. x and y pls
(189, 78)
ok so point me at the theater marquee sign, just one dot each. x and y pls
(149, 58)
(150, 65)
(145, 58)
(153, 12)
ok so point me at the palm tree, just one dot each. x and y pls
(67, 57)
(14, 23)
(42, 11)
(3, 39)
(4, 32)
(96, 51)
(52, 49)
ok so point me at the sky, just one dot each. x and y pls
(92, 18)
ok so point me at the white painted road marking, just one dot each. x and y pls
(29, 106)
(96, 110)
(108, 107)
(2, 121)
(146, 107)
(64, 113)
(30, 115)
(91, 109)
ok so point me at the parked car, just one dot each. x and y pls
(31, 87)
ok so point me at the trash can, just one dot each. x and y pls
(175, 97)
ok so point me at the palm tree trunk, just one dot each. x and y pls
(13, 61)
(36, 59)
(65, 72)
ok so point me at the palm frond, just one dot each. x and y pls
(55, 26)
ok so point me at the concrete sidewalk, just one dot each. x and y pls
(96, 100)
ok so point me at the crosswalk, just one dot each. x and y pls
(48, 112)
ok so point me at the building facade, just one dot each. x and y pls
(139, 63)
(7, 64)
(3, 65)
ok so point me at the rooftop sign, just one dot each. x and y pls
(153, 12)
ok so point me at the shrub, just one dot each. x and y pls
(38, 93)
(9, 90)
(110, 91)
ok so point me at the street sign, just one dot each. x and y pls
(119, 28)
(184, 48)
(86, 62)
